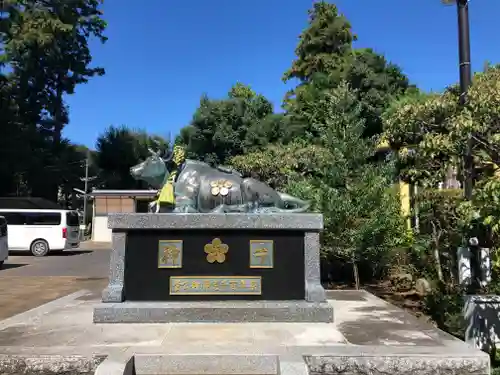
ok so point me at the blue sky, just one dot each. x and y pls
(161, 58)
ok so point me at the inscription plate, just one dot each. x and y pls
(170, 254)
(261, 253)
(215, 285)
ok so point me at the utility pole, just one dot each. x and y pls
(86, 188)
(86, 180)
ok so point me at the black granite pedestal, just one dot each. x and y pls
(214, 268)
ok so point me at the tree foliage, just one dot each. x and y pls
(120, 148)
(323, 46)
(45, 48)
(429, 133)
(361, 210)
(232, 126)
(326, 58)
(435, 127)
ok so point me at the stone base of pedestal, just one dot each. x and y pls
(214, 312)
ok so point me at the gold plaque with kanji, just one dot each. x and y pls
(170, 254)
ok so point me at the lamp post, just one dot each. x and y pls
(465, 82)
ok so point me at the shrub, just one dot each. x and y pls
(444, 306)
(439, 233)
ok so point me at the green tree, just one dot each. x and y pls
(232, 126)
(45, 45)
(326, 58)
(361, 210)
(377, 83)
(323, 46)
(436, 128)
(120, 148)
(419, 128)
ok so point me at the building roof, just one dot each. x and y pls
(27, 203)
(122, 193)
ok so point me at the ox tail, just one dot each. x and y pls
(295, 204)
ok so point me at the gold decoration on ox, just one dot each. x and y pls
(216, 251)
(170, 254)
(221, 187)
(179, 155)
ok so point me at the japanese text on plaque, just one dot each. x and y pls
(184, 285)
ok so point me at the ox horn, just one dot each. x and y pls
(169, 154)
(153, 152)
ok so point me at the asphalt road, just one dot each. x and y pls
(79, 263)
(27, 282)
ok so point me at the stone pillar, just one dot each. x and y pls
(464, 266)
(463, 262)
(314, 290)
(114, 291)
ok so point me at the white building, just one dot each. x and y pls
(105, 202)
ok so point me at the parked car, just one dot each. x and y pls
(41, 231)
(4, 243)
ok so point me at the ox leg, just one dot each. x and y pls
(224, 208)
(165, 208)
(219, 209)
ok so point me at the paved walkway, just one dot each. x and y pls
(18, 294)
(367, 332)
(27, 282)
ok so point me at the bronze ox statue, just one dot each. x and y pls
(199, 188)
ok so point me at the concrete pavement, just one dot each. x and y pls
(77, 263)
(93, 245)
(369, 336)
(27, 282)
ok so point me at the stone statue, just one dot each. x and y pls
(194, 186)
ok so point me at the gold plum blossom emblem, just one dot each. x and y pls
(221, 187)
(171, 253)
(216, 251)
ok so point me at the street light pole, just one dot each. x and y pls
(465, 82)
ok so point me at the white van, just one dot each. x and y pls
(41, 231)
(4, 246)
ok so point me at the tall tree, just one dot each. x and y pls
(326, 58)
(46, 48)
(323, 46)
(436, 128)
(361, 211)
(227, 127)
(120, 148)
